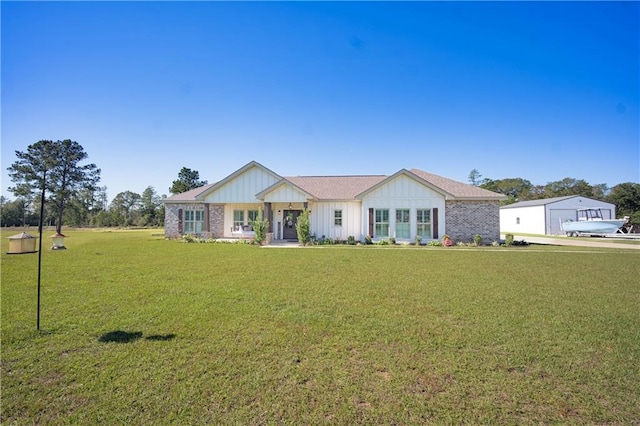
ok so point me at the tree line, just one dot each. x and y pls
(625, 196)
(71, 193)
(54, 171)
(89, 209)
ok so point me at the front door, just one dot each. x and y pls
(289, 220)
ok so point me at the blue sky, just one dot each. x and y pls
(540, 91)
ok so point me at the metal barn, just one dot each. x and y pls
(544, 216)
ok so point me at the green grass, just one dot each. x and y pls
(139, 330)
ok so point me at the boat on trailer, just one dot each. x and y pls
(591, 221)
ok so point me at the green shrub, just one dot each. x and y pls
(477, 239)
(260, 227)
(351, 240)
(303, 228)
(329, 241)
(188, 238)
(508, 239)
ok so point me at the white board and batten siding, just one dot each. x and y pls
(243, 188)
(285, 194)
(323, 223)
(403, 193)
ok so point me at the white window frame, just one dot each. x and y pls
(193, 221)
(380, 224)
(238, 223)
(421, 224)
(406, 225)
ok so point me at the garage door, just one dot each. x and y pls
(557, 216)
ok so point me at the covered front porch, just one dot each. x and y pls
(284, 203)
(282, 217)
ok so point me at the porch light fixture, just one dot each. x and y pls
(290, 206)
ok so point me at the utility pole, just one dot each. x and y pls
(44, 186)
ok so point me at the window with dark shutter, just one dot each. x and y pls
(371, 222)
(435, 223)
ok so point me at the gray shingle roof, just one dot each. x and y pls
(455, 188)
(191, 194)
(349, 187)
(335, 187)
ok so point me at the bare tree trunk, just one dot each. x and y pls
(59, 218)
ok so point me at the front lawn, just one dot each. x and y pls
(140, 330)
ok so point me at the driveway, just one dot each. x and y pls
(577, 241)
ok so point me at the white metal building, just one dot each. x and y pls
(544, 216)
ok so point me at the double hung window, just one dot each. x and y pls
(382, 223)
(193, 221)
(238, 219)
(402, 223)
(424, 223)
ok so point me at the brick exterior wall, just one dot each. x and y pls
(216, 220)
(464, 219)
(171, 220)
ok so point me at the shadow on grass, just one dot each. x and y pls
(161, 337)
(120, 336)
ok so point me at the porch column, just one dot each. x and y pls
(267, 213)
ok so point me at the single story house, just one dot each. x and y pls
(404, 205)
(545, 216)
